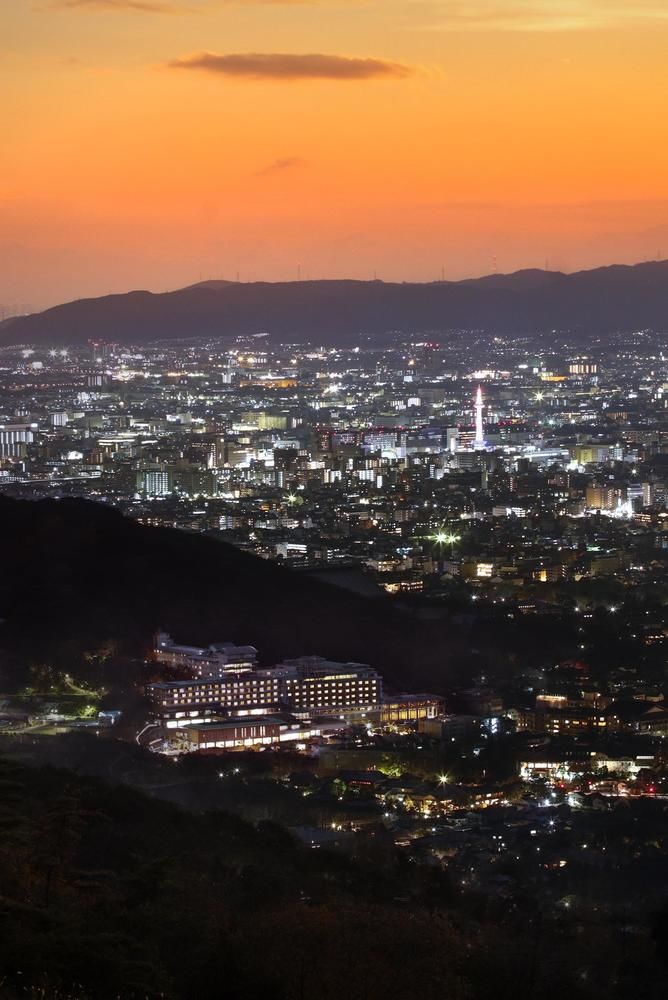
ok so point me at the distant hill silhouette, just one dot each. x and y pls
(601, 301)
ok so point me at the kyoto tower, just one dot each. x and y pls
(479, 443)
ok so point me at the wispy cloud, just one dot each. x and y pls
(285, 66)
(135, 6)
(280, 165)
(167, 6)
(541, 15)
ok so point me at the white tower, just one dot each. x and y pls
(479, 442)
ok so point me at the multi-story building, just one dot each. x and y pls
(209, 661)
(155, 482)
(318, 686)
(309, 685)
(14, 439)
(607, 498)
(560, 716)
(259, 691)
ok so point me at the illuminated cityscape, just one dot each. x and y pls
(333, 500)
(479, 527)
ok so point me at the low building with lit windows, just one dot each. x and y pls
(408, 708)
(242, 734)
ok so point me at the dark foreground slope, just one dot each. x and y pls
(339, 312)
(106, 894)
(75, 574)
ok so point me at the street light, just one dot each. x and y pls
(447, 538)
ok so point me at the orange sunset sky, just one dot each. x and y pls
(146, 143)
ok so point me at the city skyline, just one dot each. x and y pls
(334, 497)
(151, 144)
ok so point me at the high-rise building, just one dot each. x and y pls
(210, 661)
(14, 438)
(155, 482)
(607, 498)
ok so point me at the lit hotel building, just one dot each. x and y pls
(317, 686)
(209, 661)
(309, 685)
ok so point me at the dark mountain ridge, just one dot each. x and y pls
(597, 302)
(76, 574)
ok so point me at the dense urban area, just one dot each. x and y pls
(483, 749)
